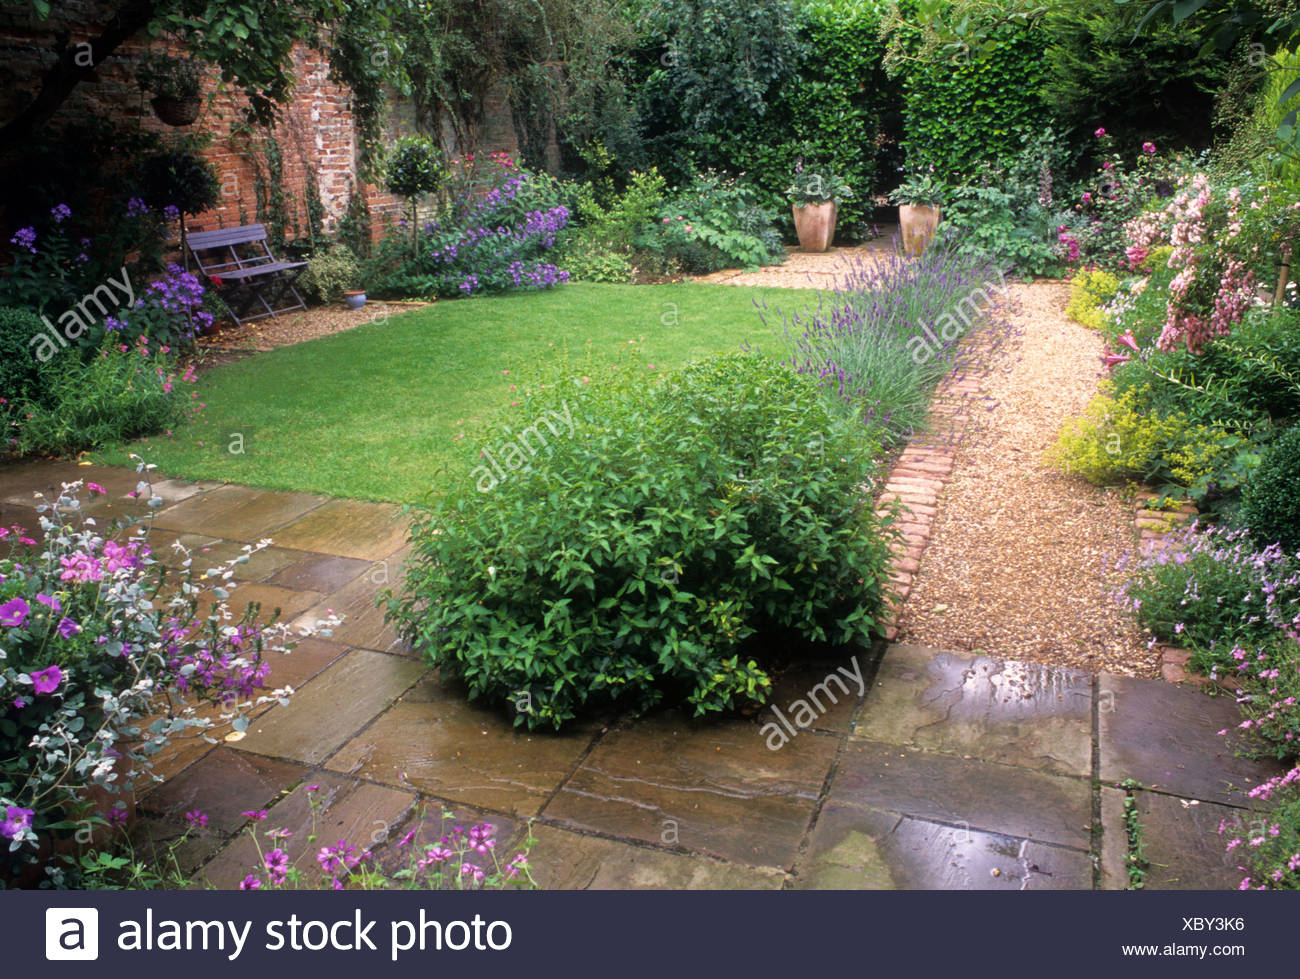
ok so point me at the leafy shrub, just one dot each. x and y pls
(658, 526)
(117, 395)
(1090, 290)
(414, 167)
(867, 344)
(19, 374)
(961, 111)
(168, 316)
(621, 236)
(93, 649)
(1122, 437)
(492, 234)
(1209, 589)
(1270, 504)
(329, 274)
(180, 180)
(718, 222)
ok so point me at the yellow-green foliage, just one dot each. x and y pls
(1091, 289)
(1121, 438)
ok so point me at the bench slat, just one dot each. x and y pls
(257, 270)
(222, 237)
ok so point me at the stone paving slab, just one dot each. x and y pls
(1020, 714)
(347, 528)
(991, 797)
(363, 623)
(1181, 842)
(855, 848)
(332, 707)
(223, 784)
(435, 741)
(1166, 737)
(319, 572)
(349, 810)
(569, 861)
(237, 512)
(712, 787)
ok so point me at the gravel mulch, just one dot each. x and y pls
(802, 270)
(1017, 564)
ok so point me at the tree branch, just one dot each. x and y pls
(59, 82)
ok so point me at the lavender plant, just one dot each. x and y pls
(880, 342)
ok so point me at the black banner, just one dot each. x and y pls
(646, 933)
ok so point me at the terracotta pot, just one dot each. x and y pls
(176, 112)
(917, 222)
(815, 225)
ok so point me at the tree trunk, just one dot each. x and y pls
(60, 81)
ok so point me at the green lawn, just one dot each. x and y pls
(372, 413)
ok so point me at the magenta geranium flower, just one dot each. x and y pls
(50, 602)
(14, 612)
(96, 488)
(1148, 148)
(68, 628)
(1100, 132)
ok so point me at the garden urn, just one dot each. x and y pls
(355, 298)
(815, 225)
(917, 223)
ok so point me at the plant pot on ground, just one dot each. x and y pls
(815, 196)
(355, 298)
(918, 199)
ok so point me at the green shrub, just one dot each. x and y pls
(330, 274)
(1270, 504)
(116, 396)
(19, 374)
(718, 222)
(657, 527)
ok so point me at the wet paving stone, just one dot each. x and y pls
(1166, 737)
(363, 622)
(711, 787)
(435, 741)
(332, 707)
(998, 799)
(290, 603)
(567, 861)
(830, 689)
(222, 785)
(20, 481)
(308, 658)
(1181, 842)
(162, 841)
(319, 572)
(350, 810)
(853, 848)
(431, 821)
(208, 553)
(1023, 714)
(347, 528)
(237, 513)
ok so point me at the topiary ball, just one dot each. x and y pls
(1270, 503)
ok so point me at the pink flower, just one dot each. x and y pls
(47, 680)
(1148, 148)
(1108, 165)
(250, 883)
(96, 488)
(1100, 132)
(50, 602)
(1130, 341)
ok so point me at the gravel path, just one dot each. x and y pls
(1016, 564)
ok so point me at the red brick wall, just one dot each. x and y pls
(316, 130)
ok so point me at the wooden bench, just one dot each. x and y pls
(241, 258)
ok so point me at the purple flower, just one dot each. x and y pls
(1148, 148)
(254, 814)
(68, 628)
(135, 208)
(25, 238)
(47, 680)
(15, 822)
(196, 819)
(277, 865)
(171, 212)
(250, 883)
(50, 602)
(1100, 132)
(60, 213)
(14, 612)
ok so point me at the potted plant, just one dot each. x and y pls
(175, 83)
(814, 198)
(918, 199)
